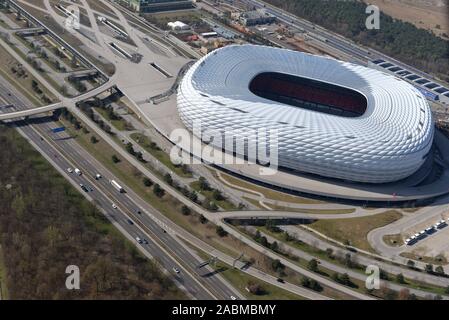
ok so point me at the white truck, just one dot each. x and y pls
(117, 186)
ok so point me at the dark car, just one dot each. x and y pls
(280, 280)
(84, 188)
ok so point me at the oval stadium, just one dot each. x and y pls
(333, 119)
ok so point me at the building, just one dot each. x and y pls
(252, 18)
(178, 26)
(334, 119)
(149, 6)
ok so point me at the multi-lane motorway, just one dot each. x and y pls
(197, 282)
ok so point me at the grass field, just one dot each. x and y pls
(355, 230)
(24, 83)
(3, 288)
(226, 205)
(120, 125)
(159, 154)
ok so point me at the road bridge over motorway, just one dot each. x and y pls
(64, 103)
(30, 112)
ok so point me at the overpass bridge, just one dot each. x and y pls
(84, 74)
(26, 32)
(66, 102)
(30, 112)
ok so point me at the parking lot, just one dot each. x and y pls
(432, 240)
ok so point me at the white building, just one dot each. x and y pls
(333, 118)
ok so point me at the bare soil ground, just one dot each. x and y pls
(427, 14)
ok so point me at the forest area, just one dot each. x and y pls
(46, 225)
(399, 39)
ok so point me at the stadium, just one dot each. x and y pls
(334, 119)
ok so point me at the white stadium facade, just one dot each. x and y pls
(334, 119)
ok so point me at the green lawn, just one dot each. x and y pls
(159, 154)
(354, 231)
(120, 125)
(3, 288)
(226, 205)
(240, 280)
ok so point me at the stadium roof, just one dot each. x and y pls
(388, 142)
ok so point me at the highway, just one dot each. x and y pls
(42, 138)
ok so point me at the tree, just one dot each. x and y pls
(277, 265)
(217, 195)
(129, 147)
(168, 179)
(204, 185)
(271, 226)
(193, 196)
(93, 139)
(344, 279)
(429, 268)
(63, 89)
(348, 260)
(313, 265)
(221, 232)
(115, 159)
(139, 156)
(400, 278)
(158, 191)
(383, 275)
(275, 246)
(440, 270)
(147, 182)
(255, 288)
(185, 210)
(411, 264)
(203, 219)
(264, 241)
(305, 282)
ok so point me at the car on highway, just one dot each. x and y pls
(69, 170)
(97, 176)
(114, 206)
(139, 240)
(84, 187)
(233, 298)
(145, 241)
(139, 212)
(176, 270)
(78, 171)
(130, 221)
(280, 280)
